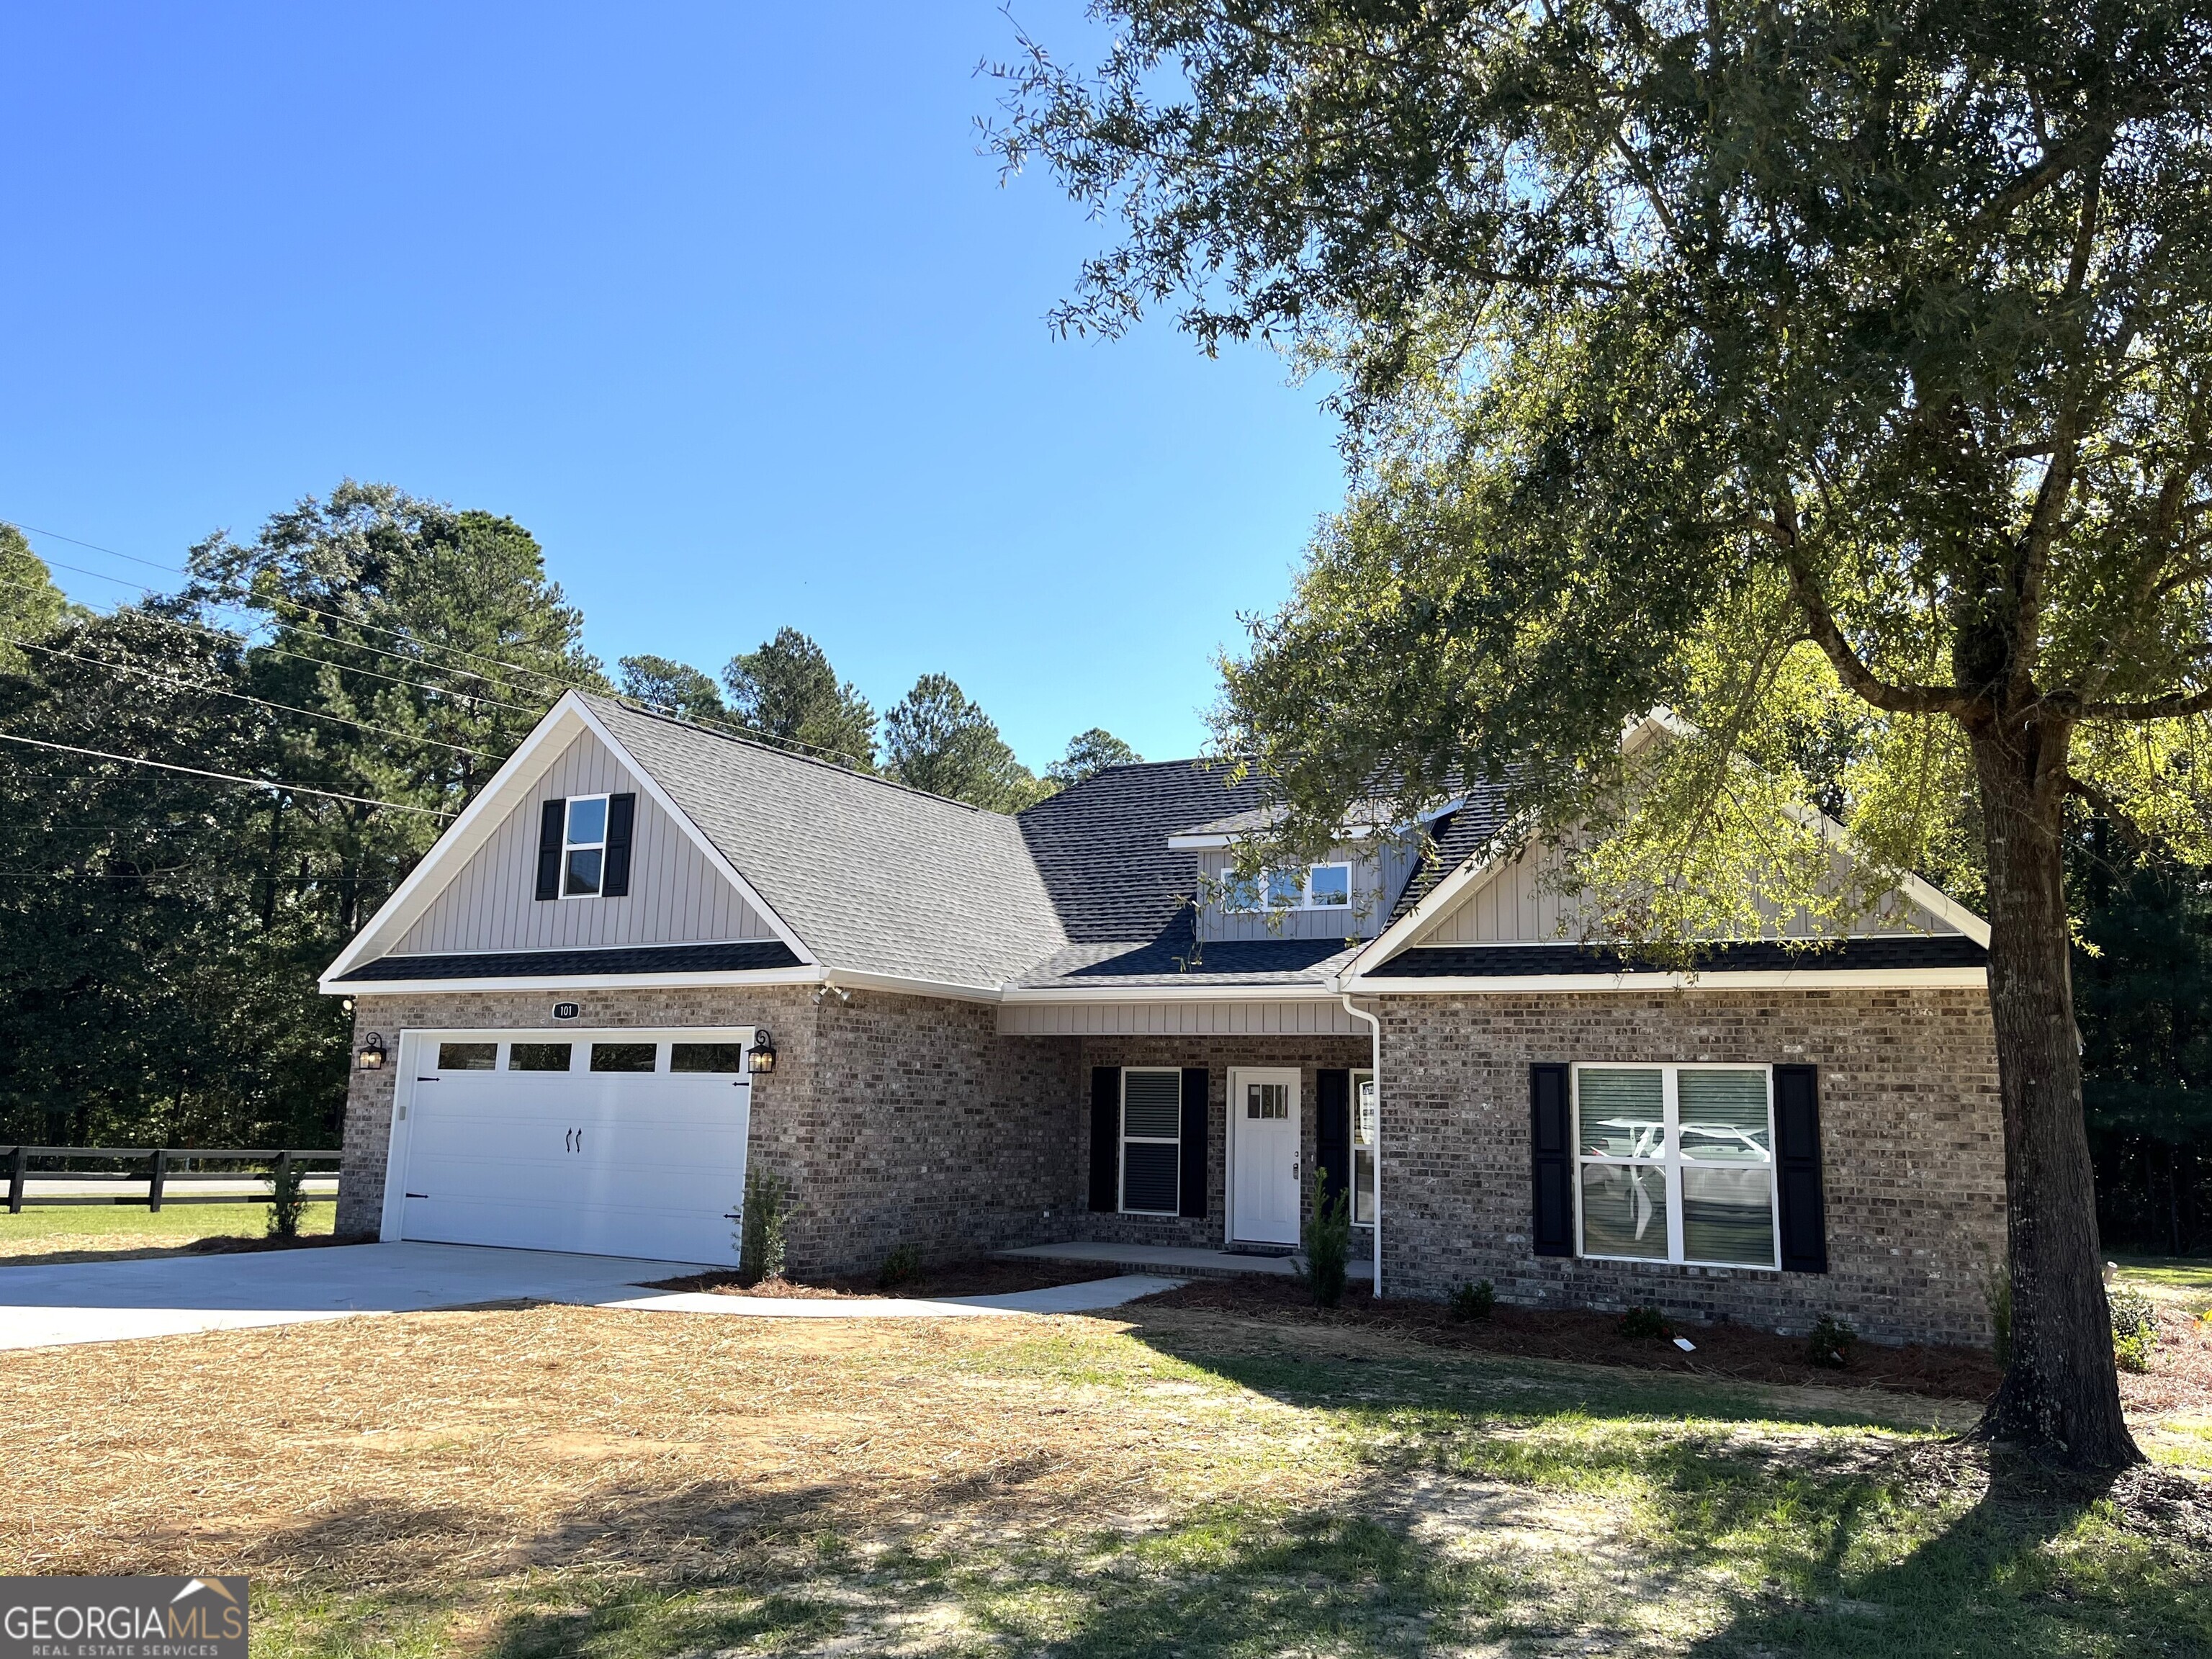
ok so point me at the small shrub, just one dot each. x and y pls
(901, 1266)
(287, 1199)
(2135, 1326)
(1831, 1343)
(1473, 1301)
(764, 1220)
(1327, 1242)
(1996, 1290)
(1644, 1322)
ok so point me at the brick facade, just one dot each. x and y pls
(1217, 1055)
(895, 1120)
(1913, 1149)
(908, 1119)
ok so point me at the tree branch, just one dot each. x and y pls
(1820, 625)
(2178, 706)
(2109, 810)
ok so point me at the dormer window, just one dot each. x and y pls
(1316, 887)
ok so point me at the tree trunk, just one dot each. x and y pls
(2061, 1394)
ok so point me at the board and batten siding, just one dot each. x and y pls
(1517, 906)
(1310, 1018)
(676, 896)
(1378, 876)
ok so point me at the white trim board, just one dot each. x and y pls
(1791, 979)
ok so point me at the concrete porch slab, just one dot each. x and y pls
(1171, 1259)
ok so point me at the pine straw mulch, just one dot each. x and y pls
(424, 1451)
(2180, 1374)
(1737, 1353)
(981, 1277)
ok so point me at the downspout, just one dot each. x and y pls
(1374, 1065)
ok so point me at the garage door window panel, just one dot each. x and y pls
(624, 1056)
(539, 1056)
(468, 1056)
(711, 1057)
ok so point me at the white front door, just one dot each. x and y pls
(1263, 1156)
(511, 1139)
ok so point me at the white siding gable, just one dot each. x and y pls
(1515, 904)
(676, 896)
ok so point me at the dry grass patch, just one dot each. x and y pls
(411, 1452)
(560, 1483)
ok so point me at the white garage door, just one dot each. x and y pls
(607, 1143)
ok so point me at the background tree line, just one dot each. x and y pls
(377, 655)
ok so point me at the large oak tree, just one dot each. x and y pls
(1834, 374)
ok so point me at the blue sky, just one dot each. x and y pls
(721, 302)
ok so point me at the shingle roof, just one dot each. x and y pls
(746, 955)
(1457, 836)
(1171, 961)
(872, 876)
(1100, 847)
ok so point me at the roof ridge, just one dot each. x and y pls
(767, 748)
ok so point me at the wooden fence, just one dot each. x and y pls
(160, 1163)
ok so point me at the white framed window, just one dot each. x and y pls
(1675, 1162)
(1316, 887)
(1152, 1140)
(584, 847)
(1329, 886)
(1366, 1136)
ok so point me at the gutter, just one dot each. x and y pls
(1374, 1065)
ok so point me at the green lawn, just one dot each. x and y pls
(56, 1229)
(2180, 1282)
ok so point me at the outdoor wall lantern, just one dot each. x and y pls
(372, 1052)
(762, 1057)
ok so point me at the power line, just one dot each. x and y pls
(240, 696)
(312, 634)
(223, 777)
(286, 599)
(174, 870)
(96, 548)
(841, 756)
(324, 662)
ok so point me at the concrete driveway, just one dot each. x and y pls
(113, 1301)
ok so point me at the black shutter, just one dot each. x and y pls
(1193, 1142)
(1797, 1168)
(1552, 1162)
(1105, 1137)
(1332, 1130)
(622, 814)
(552, 829)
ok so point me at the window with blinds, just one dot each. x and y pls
(1152, 1140)
(1676, 1163)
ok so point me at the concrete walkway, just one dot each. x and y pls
(115, 1301)
(1089, 1297)
(1172, 1259)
